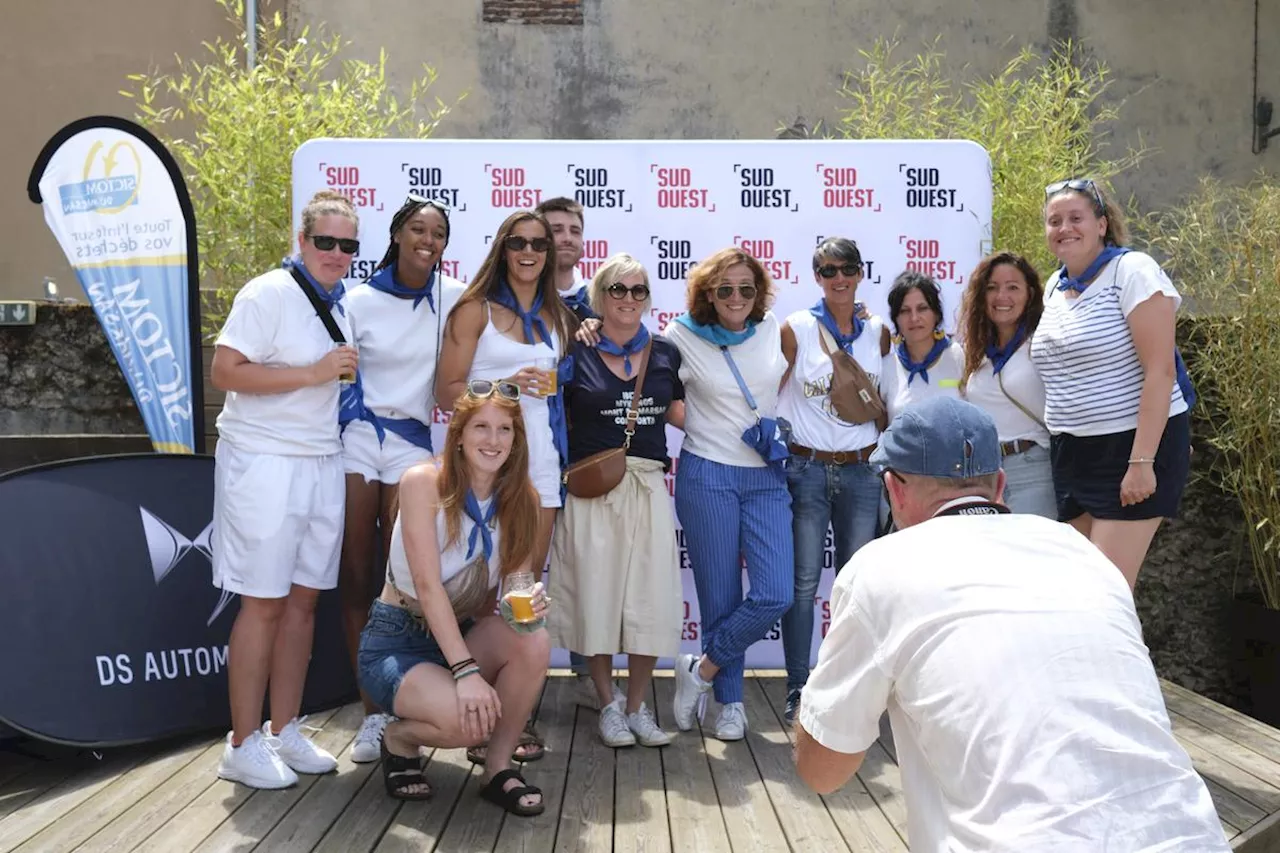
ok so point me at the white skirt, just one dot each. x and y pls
(615, 570)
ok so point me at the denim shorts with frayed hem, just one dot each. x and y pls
(392, 643)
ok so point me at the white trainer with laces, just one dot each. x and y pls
(299, 751)
(645, 728)
(732, 722)
(614, 730)
(368, 745)
(689, 689)
(255, 763)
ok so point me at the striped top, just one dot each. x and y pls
(1085, 353)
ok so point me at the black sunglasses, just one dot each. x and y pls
(725, 291)
(325, 243)
(830, 270)
(618, 290)
(1080, 185)
(483, 389)
(516, 243)
(414, 198)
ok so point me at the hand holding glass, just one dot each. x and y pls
(519, 591)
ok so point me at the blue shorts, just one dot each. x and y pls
(392, 643)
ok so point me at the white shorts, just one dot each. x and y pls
(387, 463)
(277, 521)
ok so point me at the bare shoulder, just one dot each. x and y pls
(421, 483)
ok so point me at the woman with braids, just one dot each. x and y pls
(1001, 308)
(277, 493)
(434, 653)
(1116, 394)
(396, 320)
(511, 325)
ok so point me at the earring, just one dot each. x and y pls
(897, 339)
(938, 334)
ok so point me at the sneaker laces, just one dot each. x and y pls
(731, 714)
(372, 727)
(614, 724)
(644, 719)
(261, 748)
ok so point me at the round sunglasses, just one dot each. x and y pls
(516, 243)
(618, 290)
(725, 291)
(848, 270)
(325, 243)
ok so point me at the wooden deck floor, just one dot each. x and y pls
(698, 794)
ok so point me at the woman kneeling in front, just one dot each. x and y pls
(434, 653)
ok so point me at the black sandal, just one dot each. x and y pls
(510, 800)
(529, 748)
(402, 772)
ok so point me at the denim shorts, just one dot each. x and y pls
(392, 643)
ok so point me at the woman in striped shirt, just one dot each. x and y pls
(1105, 351)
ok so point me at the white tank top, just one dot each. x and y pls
(452, 559)
(806, 398)
(497, 357)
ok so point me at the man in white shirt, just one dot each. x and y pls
(1007, 651)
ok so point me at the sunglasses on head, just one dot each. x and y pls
(414, 198)
(725, 291)
(483, 389)
(516, 243)
(325, 243)
(830, 270)
(1080, 185)
(618, 290)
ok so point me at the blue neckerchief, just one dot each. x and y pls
(386, 281)
(920, 369)
(481, 530)
(556, 414)
(823, 314)
(503, 295)
(1079, 284)
(715, 333)
(1000, 355)
(351, 407)
(578, 302)
(331, 298)
(630, 348)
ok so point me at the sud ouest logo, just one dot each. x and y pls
(109, 183)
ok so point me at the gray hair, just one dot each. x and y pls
(612, 271)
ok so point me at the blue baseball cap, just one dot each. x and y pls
(940, 437)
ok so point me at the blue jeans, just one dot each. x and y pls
(846, 497)
(1028, 486)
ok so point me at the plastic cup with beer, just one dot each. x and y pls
(518, 592)
(548, 366)
(348, 377)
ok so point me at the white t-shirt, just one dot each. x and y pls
(1025, 709)
(452, 559)
(944, 379)
(805, 400)
(716, 412)
(1022, 381)
(1084, 350)
(398, 346)
(272, 323)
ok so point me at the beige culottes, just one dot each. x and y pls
(615, 570)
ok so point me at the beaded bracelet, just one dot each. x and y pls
(462, 664)
(471, 670)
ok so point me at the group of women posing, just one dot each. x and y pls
(1082, 384)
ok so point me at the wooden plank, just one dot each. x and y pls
(860, 819)
(105, 806)
(161, 806)
(417, 827)
(586, 813)
(640, 823)
(1263, 773)
(248, 822)
(744, 801)
(36, 814)
(1246, 731)
(1236, 788)
(804, 818)
(556, 714)
(1232, 810)
(1263, 837)
(26, 787)
(13, 765)
(362, 823)
(697, 821)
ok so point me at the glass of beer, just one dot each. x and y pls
(518, 591)
(349, 377)
(550, 367)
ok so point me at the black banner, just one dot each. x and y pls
(111, 629)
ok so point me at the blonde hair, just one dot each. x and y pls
(611, 272)
(327, 203)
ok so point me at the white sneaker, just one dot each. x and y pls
(587, 697)
(368, 745)
(614, 730)
(689, 689)
(255, 763)
(299, 751)
(645, 728)
(732, 722)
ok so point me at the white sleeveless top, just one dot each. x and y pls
(1022, 381)
(452, 559)
(398, 347)
(805, 400)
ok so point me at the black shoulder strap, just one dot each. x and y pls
(322, 310)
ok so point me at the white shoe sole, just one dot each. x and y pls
(685, 687)
(253, 782)
(365, 753)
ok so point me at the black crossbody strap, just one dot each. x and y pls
(322, 310)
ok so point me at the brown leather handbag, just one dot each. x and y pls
(601, 472)
(854, 395)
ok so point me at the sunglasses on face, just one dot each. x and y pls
(830, 270)
(483, 389)
(516, 243)
(1080, 185)
(325, 243)
(725, 291)
(639, 292)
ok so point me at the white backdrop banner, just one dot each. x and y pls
(921, 205)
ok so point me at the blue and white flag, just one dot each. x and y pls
(118, 206)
